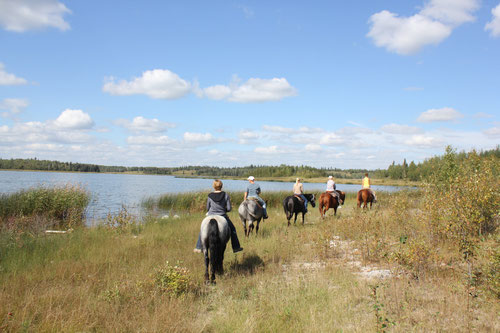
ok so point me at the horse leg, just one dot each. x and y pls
(303, 217)
(221, 263)
(244, 226)
(205, 252)
(250, 229)
(295, 220)
(257, 227)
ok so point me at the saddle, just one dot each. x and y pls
(256, 201)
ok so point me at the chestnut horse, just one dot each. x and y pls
(365, 196)
(327, 201)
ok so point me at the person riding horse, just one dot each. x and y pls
(298, 191)
(219, 203)
(331, 189)
(366, 185)
(253, 191)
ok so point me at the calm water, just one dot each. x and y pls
(111, 191)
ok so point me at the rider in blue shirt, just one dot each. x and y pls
(253, 191)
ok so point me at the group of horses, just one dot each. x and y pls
(215, 231)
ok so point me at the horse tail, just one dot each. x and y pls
(214, 243)
(288, 207)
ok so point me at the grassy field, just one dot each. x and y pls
(130, 276)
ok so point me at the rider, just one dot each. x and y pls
(253, 191)
(366, 185)
(219, 203)
(331, 189)
(298, 190)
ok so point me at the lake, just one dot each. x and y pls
(112, 191)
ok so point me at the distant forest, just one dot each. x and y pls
(411, 171)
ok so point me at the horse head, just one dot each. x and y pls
(311, 198)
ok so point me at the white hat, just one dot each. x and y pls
(251, 178)
(330, 177)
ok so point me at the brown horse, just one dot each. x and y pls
(365, 196)
(327, 201)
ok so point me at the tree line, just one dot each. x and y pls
(427, 168)
(408, 171)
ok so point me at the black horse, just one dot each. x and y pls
(294, 205)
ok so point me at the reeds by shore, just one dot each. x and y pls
(61, 205)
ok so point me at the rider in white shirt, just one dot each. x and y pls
(331, 189)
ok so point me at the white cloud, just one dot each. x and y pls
(141, 124)
(423, 141)
(331, 139)
(483, 115)
(253, 90)
(277, 129)
(164, 84)
(313, 148)
(150, 140)
(267, 150)
(74, 119)
(218, 92)
(247, 137)
(493, 132)
(7, 79)
(288, 130)
(23, 15)
(400, 129)
(494, 25)
(452, 12)
(434, 23)
(199, 138)
(443, 114)
(13, 106)
(157, 83)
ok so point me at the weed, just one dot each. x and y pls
(173, 280)
(382, 323)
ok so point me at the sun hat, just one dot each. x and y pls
(330, 177)
(251, 178)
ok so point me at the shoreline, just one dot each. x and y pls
(345, 181)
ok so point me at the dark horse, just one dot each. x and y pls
(294, 205)
(214, 233)
(364, 197)
(327, 201)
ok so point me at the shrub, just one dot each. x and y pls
(174, 280)
(121, 221)
(464, 199)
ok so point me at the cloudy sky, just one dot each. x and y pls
(347, 84)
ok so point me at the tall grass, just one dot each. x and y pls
(61, 205)
(196, 201)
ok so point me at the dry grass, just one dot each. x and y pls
(285, 280)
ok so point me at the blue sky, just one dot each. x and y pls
(353, 84)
